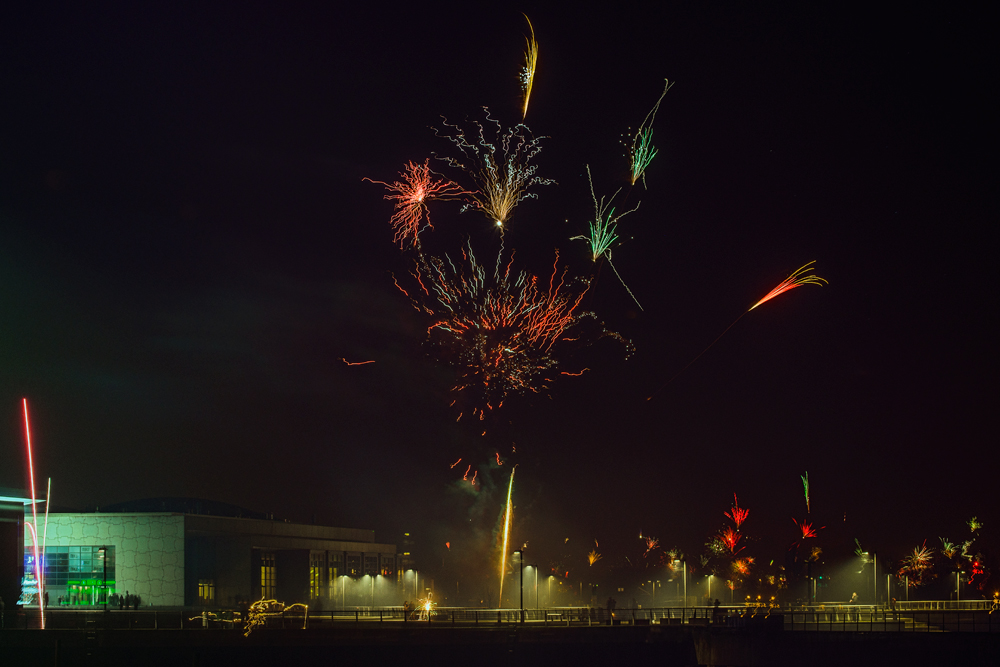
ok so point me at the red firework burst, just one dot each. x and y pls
(411, 195)
(730, 539)
(807, 529)
(738, 514)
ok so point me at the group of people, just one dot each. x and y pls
(124, 601)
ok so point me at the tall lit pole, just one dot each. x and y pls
(685, 571)
(520, 578)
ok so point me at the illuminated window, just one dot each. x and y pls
(206, 591)
(388, 566)
(353, 565)
(317, 561)
(268, 577)
(371, 565)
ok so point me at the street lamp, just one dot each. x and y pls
(520, 577)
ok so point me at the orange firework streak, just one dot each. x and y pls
(412, 194)
(798, 278)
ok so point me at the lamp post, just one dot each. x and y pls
(520, 578)
(685, 571)
(536, 584)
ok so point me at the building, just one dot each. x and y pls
(181, 556)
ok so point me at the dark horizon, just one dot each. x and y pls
(189, 252)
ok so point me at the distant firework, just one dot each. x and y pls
(737, 514)
(806, 529)
(805, 488)
(412, 194)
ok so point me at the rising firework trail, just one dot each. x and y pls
(411, 194)
(506, 532)
(603, 232)
(798, 278)
(530, 63)
(805, 488)
(498, 164)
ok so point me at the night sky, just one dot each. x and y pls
(188, 250)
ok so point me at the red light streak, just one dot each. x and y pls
(455, 463)
(34, 515)
(357, 363)
(499, 462)
(466, 475)
(576, 374)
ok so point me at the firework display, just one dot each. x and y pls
(499, 163)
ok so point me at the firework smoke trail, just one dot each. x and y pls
(642, 151)
(530, 63)
(506, 533)
(503, 336)
(412, 194)
(805, 488)
(502, 176)
(603, 231)
(796, 279)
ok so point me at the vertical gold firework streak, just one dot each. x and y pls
(506, 534)
(530, 62)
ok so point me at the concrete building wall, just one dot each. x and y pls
(149, 550)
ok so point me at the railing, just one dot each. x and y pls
(842, 618)
(853, 618)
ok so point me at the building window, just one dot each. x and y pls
(268, 577)
(75, 575)
(371, 565)
(354, 565)
(206, 591)
(316, 567)
(388, 566)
